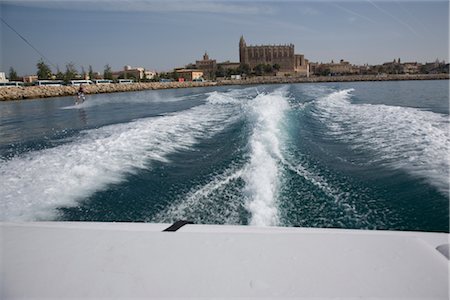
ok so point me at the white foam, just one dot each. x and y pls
(233, 97)
(221, 98)
(262, 172)
(412, 139)
(317, 180)
(356, 211)
(200, 204)
(34, 184)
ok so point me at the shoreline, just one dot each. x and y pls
(39, 92)
(346, 78)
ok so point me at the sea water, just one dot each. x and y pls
(367, 155)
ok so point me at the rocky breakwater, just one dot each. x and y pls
(34, 92)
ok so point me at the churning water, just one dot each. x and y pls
(349, 155)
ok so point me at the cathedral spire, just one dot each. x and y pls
(242, 41)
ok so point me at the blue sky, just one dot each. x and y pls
(161, 35)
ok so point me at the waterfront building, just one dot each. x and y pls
(435, 67)
(411, 67)
(3, 77)
(189, 74)
(341, 68)
(138, 73)
(282, 55)
(30, 78)
(394, 67)
(211, 67)
(149, 74)
(227, 65)
(207, 66)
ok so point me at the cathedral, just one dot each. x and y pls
(282, 55)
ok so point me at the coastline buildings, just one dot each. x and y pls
(137, 73)
(30, 78)
(3, 77)
(332, 68)
(207, 66)
(403, 68)
(282, 56)
(435, 67)
(228, 65)
(211, 69)
(265, 59)
(393, 67)
(189, 74)
(259, 60)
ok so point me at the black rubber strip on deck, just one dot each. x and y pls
(177, 225)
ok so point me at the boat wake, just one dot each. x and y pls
(249, 189)
(35, 184)
(406, 138)
(267, 180)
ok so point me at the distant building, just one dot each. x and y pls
(282, 55)
(3, 77)
(411, 67)
(189, 74)
(149, 74)
(211, 68)
(30, 78)
(343, 67)
(394, 67)
(227, 65)
(97, 75)
(332, 68)
(366, 70)
(136, 73)
(435, 67)
(207, 66)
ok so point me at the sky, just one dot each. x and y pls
(163, 34)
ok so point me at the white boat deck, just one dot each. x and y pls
(137, 260)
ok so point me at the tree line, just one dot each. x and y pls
(44, 72)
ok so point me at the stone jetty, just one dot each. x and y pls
(34, 92)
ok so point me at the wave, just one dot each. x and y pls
(406, 138)
(232, 97)
(253, 186)
(262, 173)
(35, 184)
(218, 201)
(322, 198)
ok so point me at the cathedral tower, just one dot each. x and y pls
(242, 51)
(281, 55)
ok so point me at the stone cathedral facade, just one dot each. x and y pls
(283, 55)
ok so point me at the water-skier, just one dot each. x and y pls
(81, 96)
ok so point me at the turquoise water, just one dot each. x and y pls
(349, 155)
